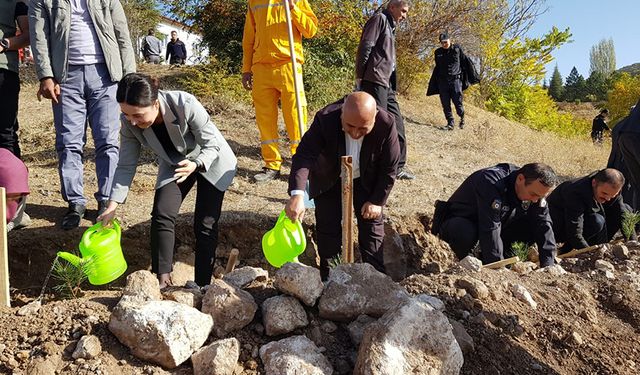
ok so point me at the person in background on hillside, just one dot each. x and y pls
(268, 72)
(627, 140)
(12, 13)
(14, 177)
(587, 211)
(351, 126)
(454, 72)
(376, 68)
(190, 150)
(599, 126)
(81, 50)
(151, 48)
(498, 206)
(176, 50)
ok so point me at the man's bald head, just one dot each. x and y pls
(358, 114)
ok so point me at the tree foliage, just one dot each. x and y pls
(142, 15)
(603, 58)
(625, 92)
(575, 86)
(555, 85)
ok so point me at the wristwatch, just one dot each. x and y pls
(5, 44)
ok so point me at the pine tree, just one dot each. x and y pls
(555, 85)
(574, 87)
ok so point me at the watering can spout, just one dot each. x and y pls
(74, 260)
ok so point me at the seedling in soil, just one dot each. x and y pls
(336, 261)
(521, 250)
(629, 222)
(70, 277)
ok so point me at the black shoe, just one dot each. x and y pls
(72, 218)
(405, 174)
(461, 123)
(449, 126)
(102, 207)
(266, 175)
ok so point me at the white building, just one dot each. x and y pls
(197, 52)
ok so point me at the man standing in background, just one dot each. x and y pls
(376, 68)
(599, 125)
(268, 72)
(81, 50)
(11, 13)
(151, 48)
(176, 51)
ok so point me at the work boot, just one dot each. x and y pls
(102, 207)
(405, 174)
(267, 175)
(71, 219)
(461, 123)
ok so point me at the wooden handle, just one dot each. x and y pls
(5, 298)
(502, 263)
(347, 209)
(573, 253)
(231, 263)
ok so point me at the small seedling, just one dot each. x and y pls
(521, 250)
(629, 222)
(336, 261)
(70, 278)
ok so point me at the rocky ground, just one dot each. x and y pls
(584, 322)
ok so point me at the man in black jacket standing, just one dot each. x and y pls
(453, 73)
(599, 125)
(176, 51)
(376, 68)
(587, 211)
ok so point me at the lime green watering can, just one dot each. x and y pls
(284, 242)
(100, 246)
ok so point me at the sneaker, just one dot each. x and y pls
(267, 175)
(405, 174)
(461, 123)
(449, 126)
(102, 207)
(72, 218)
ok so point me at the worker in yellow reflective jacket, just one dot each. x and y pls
(267, 71)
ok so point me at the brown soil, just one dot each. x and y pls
(511, 339)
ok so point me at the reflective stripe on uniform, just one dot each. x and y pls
(269, 141)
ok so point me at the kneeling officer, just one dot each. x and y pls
(588, 211)
(498, 206)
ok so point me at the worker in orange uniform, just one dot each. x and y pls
(267, 71)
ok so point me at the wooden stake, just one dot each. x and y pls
(573, 253)
(502, 263)
(5, 299)
(231, 263)
(347, 209)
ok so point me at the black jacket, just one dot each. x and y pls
(598, 125)
(376, 57)
(488, 198)
(469, 74)
(571, 201)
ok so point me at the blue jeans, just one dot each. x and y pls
(88, 96)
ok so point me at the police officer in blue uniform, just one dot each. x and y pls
(498, 206)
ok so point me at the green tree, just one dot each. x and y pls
(142, 15)
(603, 57)
(597, 86)
(624, 93)
(575, 86)
(555, 85)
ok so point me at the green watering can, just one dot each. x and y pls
(284, 242)
(100, 246)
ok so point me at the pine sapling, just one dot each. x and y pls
(629, 222)
(335, 261)
(70, 278)
(521, 250)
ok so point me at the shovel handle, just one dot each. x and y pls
(231, 263)
(502, 263)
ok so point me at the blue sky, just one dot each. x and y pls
(590, 21)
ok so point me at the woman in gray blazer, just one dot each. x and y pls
(190, 149)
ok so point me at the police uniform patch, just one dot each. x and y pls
(496, 204)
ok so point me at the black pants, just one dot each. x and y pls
(596, 229)
(451, 90)
(386, 98)
(629, 144)
(329, 228)
(9, 93)
(176, 60)
(166, 205)
(462, 235)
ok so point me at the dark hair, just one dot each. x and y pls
(604, 111)
(137, 89)
(152, 31)
(609, 176)
(540, 172)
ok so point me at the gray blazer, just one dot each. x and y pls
(194, 136)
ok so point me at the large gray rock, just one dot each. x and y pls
(142, 286)
(357, 328)
(411, 339)
(356, 289)
(163, 332)
(474, 287)
(283, 314)
(218, 358)
(294, 356)
(462, 337)
(244, 276)
(88, 347)
(231, 307)
(300, 281)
